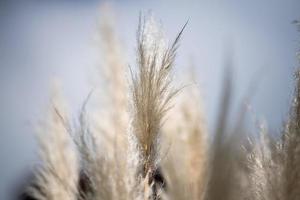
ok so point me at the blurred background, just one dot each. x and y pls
(42, 40)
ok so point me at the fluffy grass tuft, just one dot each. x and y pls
(156, 144)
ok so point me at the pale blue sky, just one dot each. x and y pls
(40, 40)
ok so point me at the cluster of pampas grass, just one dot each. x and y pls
(150, 141)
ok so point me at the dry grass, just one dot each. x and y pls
(58, 176)
(156, 145)
(274, 163)
(185, 141)
(151, 94)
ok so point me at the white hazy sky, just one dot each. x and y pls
(40, 40)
